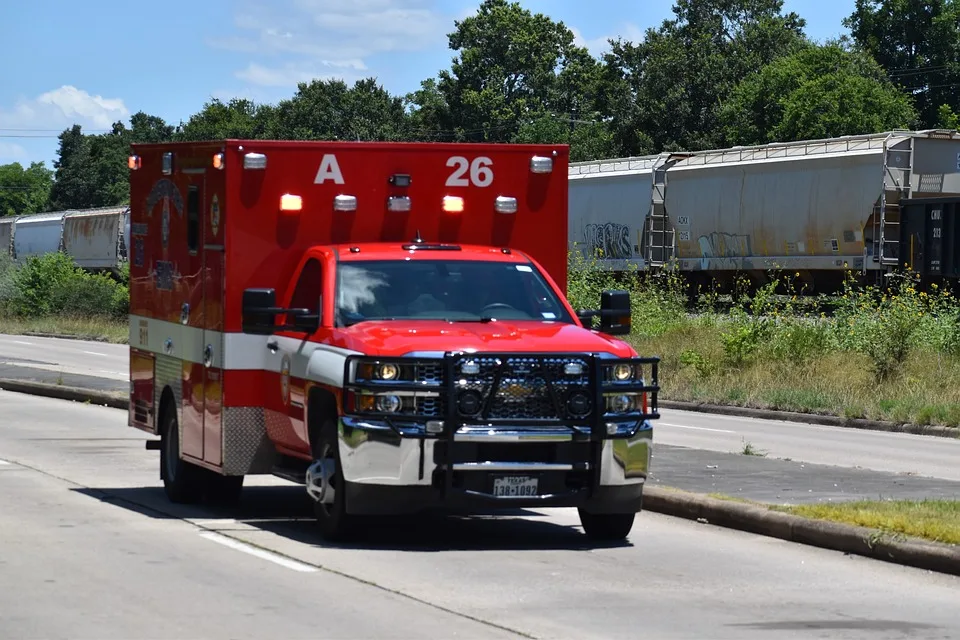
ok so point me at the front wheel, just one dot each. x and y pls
(334, 522)
(607, 526)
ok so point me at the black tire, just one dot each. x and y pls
(607, 526)
(184, 483)
(223, 490)
(335, 524)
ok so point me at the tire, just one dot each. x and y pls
(335, 524)
(607, 526)
(184, 483)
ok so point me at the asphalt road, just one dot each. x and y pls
(90, 548)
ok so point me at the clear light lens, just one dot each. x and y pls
(622, 372)
(573, 368)
(398, 203)
(620, 403)
(254, 161)
(505, 204)
(388, 371)
(470, 368)
(345, 203)
(388, 404)
(541, 164)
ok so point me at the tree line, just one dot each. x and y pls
(718, 73)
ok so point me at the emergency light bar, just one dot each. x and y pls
(254, 161)
(453, 204)
(289, 202)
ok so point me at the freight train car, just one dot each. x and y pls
(818, 207)
(96, 239)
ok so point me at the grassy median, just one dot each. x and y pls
(936, 520)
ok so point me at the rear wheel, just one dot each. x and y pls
(183, 482)
(607, 526)
(332, 517)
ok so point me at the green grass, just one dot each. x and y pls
(935, 520)
(928, 519)
(108, 330)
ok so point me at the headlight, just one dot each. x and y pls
(388, 371)
(622, 372)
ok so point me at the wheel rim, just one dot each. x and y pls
(325, 455)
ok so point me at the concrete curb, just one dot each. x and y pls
(62, 392)
(862, 541)
(813, 418)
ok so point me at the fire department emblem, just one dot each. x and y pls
(285, 379)
(164, 191)
(215, 215)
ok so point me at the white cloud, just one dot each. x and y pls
(10, 152)
(60, 108)
(317, 38)
(598, 46)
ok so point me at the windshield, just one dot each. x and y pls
(453, 290)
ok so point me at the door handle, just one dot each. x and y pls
(272, 345)
(208, 355)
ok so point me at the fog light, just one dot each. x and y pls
(388, 404)
(620, 404)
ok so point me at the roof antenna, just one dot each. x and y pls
(418, 239)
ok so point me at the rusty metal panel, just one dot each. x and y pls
(608, 203)
(795, 212)
(93, 237)
(37, 235)
(6, 236)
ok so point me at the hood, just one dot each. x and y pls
(398, 337)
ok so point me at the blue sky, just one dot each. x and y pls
(96, 63)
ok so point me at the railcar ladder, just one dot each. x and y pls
(661, 236)
(897, 174)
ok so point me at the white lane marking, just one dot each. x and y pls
(29, 344)
(2, 462)
(686, 426)
(260, 553)
(97, 353)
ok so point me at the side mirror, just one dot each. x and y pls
(259, 311)
(306, 322)
(615, 312)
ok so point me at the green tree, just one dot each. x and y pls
(238, 118)
(918, 43)
(666, 92)
(511, 67)
(330, 110)
(75, 177)
(24, 190)
(818, 92)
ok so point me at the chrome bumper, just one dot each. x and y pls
(373, 453)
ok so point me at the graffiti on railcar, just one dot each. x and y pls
(608, 240)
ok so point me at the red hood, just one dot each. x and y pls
(398, 337)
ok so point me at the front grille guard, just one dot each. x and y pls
(410, 425)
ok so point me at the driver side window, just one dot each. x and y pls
(309, 287)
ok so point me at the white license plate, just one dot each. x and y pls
(515, 486)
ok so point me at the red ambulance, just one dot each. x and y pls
(384, 323)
